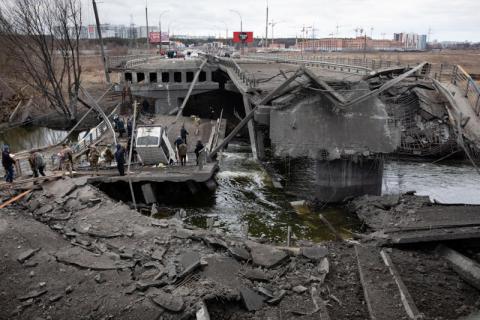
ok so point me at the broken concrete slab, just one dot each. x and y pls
(314, 253)
(266, 256)
(239, 253)
(143, 285)
(277, 298)
(188, 258)
(168, 301)
(158, 254)
(215, 242)
(24, 256)
(256, 275)
(59, 188)
(44, 209)
(251, 300)
(32, 294)
(85, 259)
(223, 271)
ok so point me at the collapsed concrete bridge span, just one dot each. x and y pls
(333, 126)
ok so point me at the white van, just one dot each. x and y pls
(153, 146)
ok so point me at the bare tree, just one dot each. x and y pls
(42, 36)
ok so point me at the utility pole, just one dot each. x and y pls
(146, 19)
(102, 49)
(160, 27)
(365, 48)
(266, 30)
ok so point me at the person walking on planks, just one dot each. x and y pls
(120, 158)
(8, 161)
(94, 155)
(184, 133)
(37, 164)
(108, 155)
(198, 148)
(67, 159)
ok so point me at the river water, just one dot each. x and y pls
(247, 203)
(24, 138)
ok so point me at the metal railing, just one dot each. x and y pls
(355, 66)
(462, 80)
(243, 76)
(94, 135)
(120, 62)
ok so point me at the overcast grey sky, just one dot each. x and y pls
(455, 20)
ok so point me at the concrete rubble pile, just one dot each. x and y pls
(84, 252)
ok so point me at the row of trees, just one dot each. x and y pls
(41, 38)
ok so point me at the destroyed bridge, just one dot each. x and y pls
(342, 117)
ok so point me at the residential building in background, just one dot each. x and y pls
(411, 41)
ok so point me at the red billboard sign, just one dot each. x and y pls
(154, 37)
(243, 36)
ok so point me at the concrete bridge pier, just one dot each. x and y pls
(332, 181)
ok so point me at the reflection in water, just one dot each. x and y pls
(446, 182)
(30, 137)
(246, 201)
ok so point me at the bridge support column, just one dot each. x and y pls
(251, 128)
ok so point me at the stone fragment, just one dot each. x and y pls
(256, 275)
(265, 292)
(30, 264)
(130, 289)
(314, 253)
(277, 298)
(202, 313)
(55, 298)
(153, 264)
(239, 253)
(183, 233)
(68, 290)
(32, 294)
(158, 254)
(251, 300)
(99, 279)
(34, 205)
(266, 256)
(44, 209)
(168, 301)
(24, 256)
(215, 242)
(160, 223)
(86, 259)
(143, 285)
(299, 289)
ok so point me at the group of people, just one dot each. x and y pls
(119, 126)
(182, 148)
(65, 156)
(119, 156)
